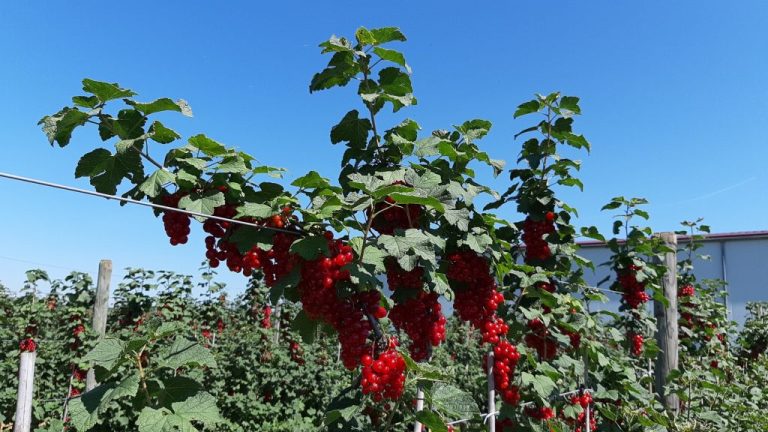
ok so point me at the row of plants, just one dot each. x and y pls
(407, 210)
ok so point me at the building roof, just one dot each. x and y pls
(738, 235)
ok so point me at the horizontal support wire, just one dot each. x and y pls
(142, 203)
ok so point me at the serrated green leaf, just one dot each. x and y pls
(155, 182)
(161, 134)
(105, 91)
(309, 247)
(184, 352)
(207, 145)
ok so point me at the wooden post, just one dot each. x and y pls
(23, 420)
(417, 427)
(100, 310)
(491, 416)
(666, 323)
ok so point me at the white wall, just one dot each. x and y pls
(746, 269)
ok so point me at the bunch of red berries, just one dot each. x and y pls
(505, 425)
(266, 317)
(540, 340)
(347, 316)
(539, 413)
(389, 216)
(687, 290)
(275, 262)
(27, 345)
(636, 343)
(296, 353)
(505, 358)
(534, 231)
(584, 400)
(398, 278)
(384, 377)
(176, 224)
(477, 298)
(421, 318)
(633, 291)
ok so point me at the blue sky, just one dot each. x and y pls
(674, 97)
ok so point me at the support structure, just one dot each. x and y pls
(418, 427)
(491, 395)
(23, 419)
(100, 311)
(666, 322)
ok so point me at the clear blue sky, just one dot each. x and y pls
(674, 97)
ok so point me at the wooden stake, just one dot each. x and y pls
(666, 323)
(23, 419)
(491, 395)
(100, 311)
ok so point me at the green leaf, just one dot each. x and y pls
(431, 420)
(256, 210)
(164, 104)
(393, 56)
(232, 164)
(155, 182)
(543, 385)
(458, 218)
(105, 91)
(177, 388)
(184, 352)
(162, 134)
(200, 407)
(306, 327)
(85, 410)
(309, 247)
(107, 353)
(340, 70)
(204, 204)
(474, 129)
(59, 127)
(351, 129)
(431, 202)
(453, 401)
(93, 163)
(311, 180)
(531, 106)
(387, 34)
(207, 145)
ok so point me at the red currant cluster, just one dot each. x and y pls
(477, 298)
(534, 231)
(389, 216)
(266, 317)
(274, 262)
(584, 400)
(636, 343)
(421, 318)
(296, 353)
(27, 345)
(505, 425)
(176, 224)
(539, 413)
(633, 291)
(540, 340)
(505, 358)
(398, 278)
(347, 316)
(384, 377)
(687, 290)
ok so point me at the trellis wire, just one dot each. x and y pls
(142, 203)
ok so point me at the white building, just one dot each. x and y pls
(739, 258)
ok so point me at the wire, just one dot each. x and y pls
(142, 203)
